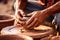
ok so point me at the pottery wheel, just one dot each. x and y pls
(32, 33)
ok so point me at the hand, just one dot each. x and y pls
(29, 15)
(39, 16)
(19, 17)
(35, 20)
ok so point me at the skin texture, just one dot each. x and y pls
(41, 15)
(21, 13)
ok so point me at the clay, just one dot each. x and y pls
(32, 33)
(6, 20)
(10, 37)
(15, 37)
(42, 27)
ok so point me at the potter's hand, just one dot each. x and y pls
(35, 19)
(19, 17)
(29, 15)
(39, 16)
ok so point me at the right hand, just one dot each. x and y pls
(19, 17)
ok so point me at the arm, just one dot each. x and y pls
(40, 16)
(51, 10)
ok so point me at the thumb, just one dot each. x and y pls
(22, 13)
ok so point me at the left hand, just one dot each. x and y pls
(35, 19)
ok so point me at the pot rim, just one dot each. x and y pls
(7, 30)
(26, 37)
(12, 18)
(22, 36)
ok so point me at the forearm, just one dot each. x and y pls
(51, 10)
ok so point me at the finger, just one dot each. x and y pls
(18, 25)
(22, 13)
(31, 19)
(26, 18)
(20, 21)
(32, 24)
(20, 17)
(30, 14)
(17, 19)
(36, 24)
(38, 21)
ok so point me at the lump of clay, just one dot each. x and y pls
(42, 27)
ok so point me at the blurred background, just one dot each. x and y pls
(6, 7)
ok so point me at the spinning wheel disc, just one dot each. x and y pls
(32, 33)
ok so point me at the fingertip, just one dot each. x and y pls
(24, 15)
(31, 25)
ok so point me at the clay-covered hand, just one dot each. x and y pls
(39, 16)
(19, 17)
(35, 19)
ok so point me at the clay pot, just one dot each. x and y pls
(15, 37)
(32, 33)
(6, 20)
(51, 38)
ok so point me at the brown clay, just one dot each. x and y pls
(32, 33)
(6, 20)
(14, 37)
